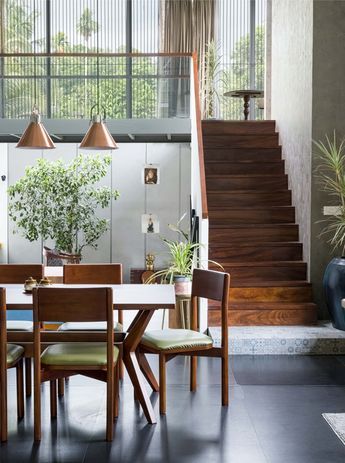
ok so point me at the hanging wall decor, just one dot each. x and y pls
(149, 223)
(151, 174)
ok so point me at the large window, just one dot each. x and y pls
(66, 86)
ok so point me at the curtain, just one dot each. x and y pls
(186, 26)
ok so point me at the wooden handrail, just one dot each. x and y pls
(199, 135)
(95, 55)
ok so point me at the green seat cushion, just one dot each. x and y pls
(14, 353)
(175, 339)
(77, 353)
(19, 325)
(88, 326)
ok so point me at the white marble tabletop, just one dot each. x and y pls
(125, 296)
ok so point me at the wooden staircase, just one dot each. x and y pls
(253, 233)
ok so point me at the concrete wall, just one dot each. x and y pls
(308, 100)
(291, 100)
(328, 115)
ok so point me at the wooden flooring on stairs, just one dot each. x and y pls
(253, 233)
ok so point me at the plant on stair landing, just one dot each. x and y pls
(60, 202)
(331, 175)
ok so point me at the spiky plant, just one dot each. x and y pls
(331, 176)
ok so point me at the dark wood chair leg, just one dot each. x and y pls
(20, 389)
(225, 381)
(116, 388)
(53, 401)
(3, 403)
(193, 373)
(110, 409)
(162, 384)
(37, 409)
(28, 378)
(61, 386)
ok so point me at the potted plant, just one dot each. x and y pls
(182, 260)
(58, 201)
(331, 174)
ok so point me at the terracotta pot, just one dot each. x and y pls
(183, 285)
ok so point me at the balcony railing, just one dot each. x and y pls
(65, 85)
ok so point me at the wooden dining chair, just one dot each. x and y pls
(95, 360)
(11, 356)
(169, 343)
(17, 274)
(92, 274)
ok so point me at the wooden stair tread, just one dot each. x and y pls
(250, 245)
(271, 284)
(245, 305)
(259, 225)
(262, 264)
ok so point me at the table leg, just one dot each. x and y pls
(134, 335)
(246, 99)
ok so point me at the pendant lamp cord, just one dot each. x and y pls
(97, 19)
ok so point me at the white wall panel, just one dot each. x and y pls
(3, 203)
(19, 249)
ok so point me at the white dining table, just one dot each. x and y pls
(145, 299)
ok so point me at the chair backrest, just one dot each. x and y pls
(93, 274)
(72, 304)
(18, 273)
(212, 285)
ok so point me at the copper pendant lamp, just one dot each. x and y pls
(35, 135)
(98, 136)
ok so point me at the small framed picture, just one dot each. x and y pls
(149, 223)
(151, 174)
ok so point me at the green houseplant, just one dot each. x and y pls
(331, 176)
(182, 260)
(209, 76)
(58, 201)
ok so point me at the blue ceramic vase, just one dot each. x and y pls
(334, 289)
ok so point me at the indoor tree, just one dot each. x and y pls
(58, 201)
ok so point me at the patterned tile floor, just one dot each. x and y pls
(284, 340)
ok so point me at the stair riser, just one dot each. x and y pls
(243, 155)
(256, 253)
(264, 317)
(241, 199)
(237, 127)
(271, 294)
(259, 183)
(241, 141)
(243, 235)
(261, 274)
(242, 168)
(236, 216)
